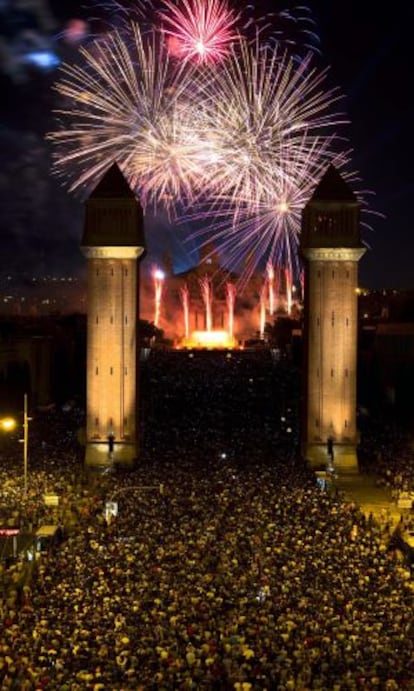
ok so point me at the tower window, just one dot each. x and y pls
(318, 274)
(125, 272)
(96, 370)
(316, 422)
(125, 421)
(96, 422)
(97, 320)
(125, 371)
(111, 370)
(317, 321)
(346, 372)
(97, 272)
(333, 318)
(332, 372)
(111, 422)
(333, 274)
(111, 319)
(126, 319)
(347, 274)
(347, 322)
(317, 372)
(346, 423)
(112, 272)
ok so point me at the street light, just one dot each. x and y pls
(25, 441)
(8, 424)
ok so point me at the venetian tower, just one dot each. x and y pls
(331, 248)
(113, 242)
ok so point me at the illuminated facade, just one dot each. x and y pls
(112, 242)
(331, 248)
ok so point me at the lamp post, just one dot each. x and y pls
(25, 441)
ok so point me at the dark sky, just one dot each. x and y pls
(368, 47)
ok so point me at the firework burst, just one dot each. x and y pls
(259, 110)
(126, 104)
(271, 228)
(200, 30)
(241, 141)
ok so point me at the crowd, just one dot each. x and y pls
(387, 450)
(227, 567)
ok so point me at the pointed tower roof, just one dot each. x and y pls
(114, 216)
(330, 219)
(333, 188)
(112, 185)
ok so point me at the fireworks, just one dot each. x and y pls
(270, 271)
(127, 105)
(207, 295)
(236, 130)
(158, 278)
(200, 30)
(185, 300)
(262, 113)
(230, 299)
(271, 227)
(262, 311)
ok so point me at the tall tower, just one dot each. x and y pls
(113, 241)
(331, 248)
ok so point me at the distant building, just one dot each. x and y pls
(205, 307)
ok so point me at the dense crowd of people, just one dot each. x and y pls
(227, 566)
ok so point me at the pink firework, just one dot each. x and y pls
(262, 311)
(271, 283)
(231, 298)
(289, 287)
(158, 278)
(185, 301)
(302, 284)
(206, 293)
(199, 30)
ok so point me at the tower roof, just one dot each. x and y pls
(112, 185)
(333, 188)
(330, 219)
(114, 216)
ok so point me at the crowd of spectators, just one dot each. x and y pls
(227, 566)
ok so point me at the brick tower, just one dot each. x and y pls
(113, 242)
(331, 248)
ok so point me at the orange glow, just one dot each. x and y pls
(7, 424)
(209, 339)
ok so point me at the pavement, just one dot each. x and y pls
(365, 491)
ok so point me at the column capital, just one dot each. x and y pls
(328, 254)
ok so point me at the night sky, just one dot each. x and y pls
(368, 48)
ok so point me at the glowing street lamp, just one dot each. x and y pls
(8, 424)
